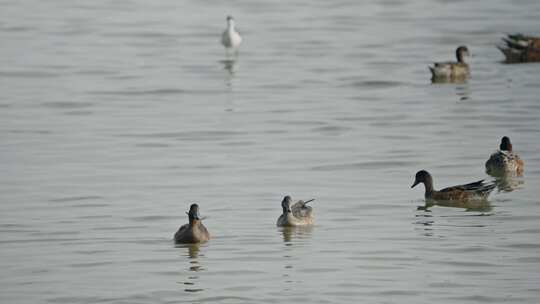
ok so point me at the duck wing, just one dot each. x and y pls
(479, 188)
(179, 235)
(521, 48)
(441, 69)
(517, 41)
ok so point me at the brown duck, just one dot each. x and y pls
(504, 161)
(451, 71)
(520, 48)
(194, 231)
(467, 192)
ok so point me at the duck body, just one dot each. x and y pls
(193, 232)
(466, 192)
(298, 214)
(472, 191)
(520, 48)
(451, 71)
(230, 38)
(504, 161)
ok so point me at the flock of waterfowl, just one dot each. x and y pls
(518, 48)
(504, 162)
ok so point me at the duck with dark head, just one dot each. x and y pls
(297, 214)
(451, 71)
(194, 231)
(466, 192)
(504, 162)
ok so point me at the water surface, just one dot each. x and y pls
(115, 116)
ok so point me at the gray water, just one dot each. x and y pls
(116, 115)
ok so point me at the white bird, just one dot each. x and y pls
(230, 38)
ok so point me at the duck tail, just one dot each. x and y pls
(432, 70)
(311, 200)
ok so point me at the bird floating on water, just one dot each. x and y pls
(230, 38)
(504, 161)
(451, 71)
(298, 214)
(520, 48)
(467, 192)
(194, 231)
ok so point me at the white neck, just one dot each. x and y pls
(230, 25)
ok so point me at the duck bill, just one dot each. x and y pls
(194, 215)
(415, 183)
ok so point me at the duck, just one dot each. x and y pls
(467, 192)
(298, 214)
(194, 232)
(230, 38)
(451, 71)
(520, 48)
(504, 161)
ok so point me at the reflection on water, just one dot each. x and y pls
(463, 92)
(509, 183)
(473, 205)
(230, 65)
(425, 220)
(428, 222)
(194, 266)
(291, 233)
(293, 238)
(449, 80)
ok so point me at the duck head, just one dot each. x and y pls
(506, 145)
(286, 204)
(423, 176)
(193, 213)
(461, 52)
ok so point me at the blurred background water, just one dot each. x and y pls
(116, 115)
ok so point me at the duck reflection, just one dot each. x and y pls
(299, 232)
(463, 92)
(443, 80)
(194, 267)
(480, 205)
(508, 183)
(426, 222)
(290, 234)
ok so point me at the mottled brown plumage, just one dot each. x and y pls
(467, 192)
(451, 71)
(505, 161)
